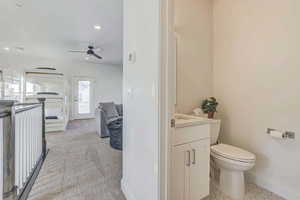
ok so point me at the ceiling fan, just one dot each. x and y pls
(90, 52)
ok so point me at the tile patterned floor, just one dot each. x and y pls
(82, 166)
(253, 192)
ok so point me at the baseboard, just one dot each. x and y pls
(278, 189)
(127, 191)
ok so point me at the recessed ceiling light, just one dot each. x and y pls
(97, 27)
(6, 48)
(87, 58)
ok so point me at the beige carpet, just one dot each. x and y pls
(79, 166)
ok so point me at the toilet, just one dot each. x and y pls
(232, 163)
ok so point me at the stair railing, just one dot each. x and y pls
(22, 147)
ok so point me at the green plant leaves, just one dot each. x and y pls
(209, 105)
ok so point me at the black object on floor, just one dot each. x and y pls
(116, 134)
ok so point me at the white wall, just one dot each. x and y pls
(141, 110)
(193, 27)
(108, 78)
(256, 80)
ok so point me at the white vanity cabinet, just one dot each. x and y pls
(190, 161)
(199, 169)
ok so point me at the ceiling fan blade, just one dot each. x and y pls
(75, 51)
(97, 56)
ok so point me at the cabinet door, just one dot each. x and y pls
(180, 172)
(199, 170)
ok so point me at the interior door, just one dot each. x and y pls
(180, 177)
(83, 98)
(199, 170)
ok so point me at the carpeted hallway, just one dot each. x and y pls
(79, 166)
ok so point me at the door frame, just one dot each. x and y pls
(75, 79)
(165, 101)
(167, 95)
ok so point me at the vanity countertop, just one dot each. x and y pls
(182, 120)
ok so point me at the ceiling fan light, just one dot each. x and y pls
(97, 27)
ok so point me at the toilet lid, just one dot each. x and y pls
(233, 153)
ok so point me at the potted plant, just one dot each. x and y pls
(209, 106)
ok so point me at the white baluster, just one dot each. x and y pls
(17, 149)
(1, 159)
(31, 140)
(21, 151)
(40, 133)
(35, 136)
(28, 137)
(19, 166)
(27, 122)
(23, 120)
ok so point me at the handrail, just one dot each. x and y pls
(19, 107)
(22, 108)
(25, 104)
(8, 113)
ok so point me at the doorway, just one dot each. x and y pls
(83, 98)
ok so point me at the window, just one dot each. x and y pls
(12, 88)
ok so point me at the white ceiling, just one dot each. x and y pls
(49, 28)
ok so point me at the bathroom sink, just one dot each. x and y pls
(182, 120)
(189, 128)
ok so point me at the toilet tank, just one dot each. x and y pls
(215, 126)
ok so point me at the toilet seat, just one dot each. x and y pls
(232, 153)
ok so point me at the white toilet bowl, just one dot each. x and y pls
(232, 162)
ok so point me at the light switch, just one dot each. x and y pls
(129, 93)
(131, 57)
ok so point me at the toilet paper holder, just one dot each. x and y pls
(286, 134)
